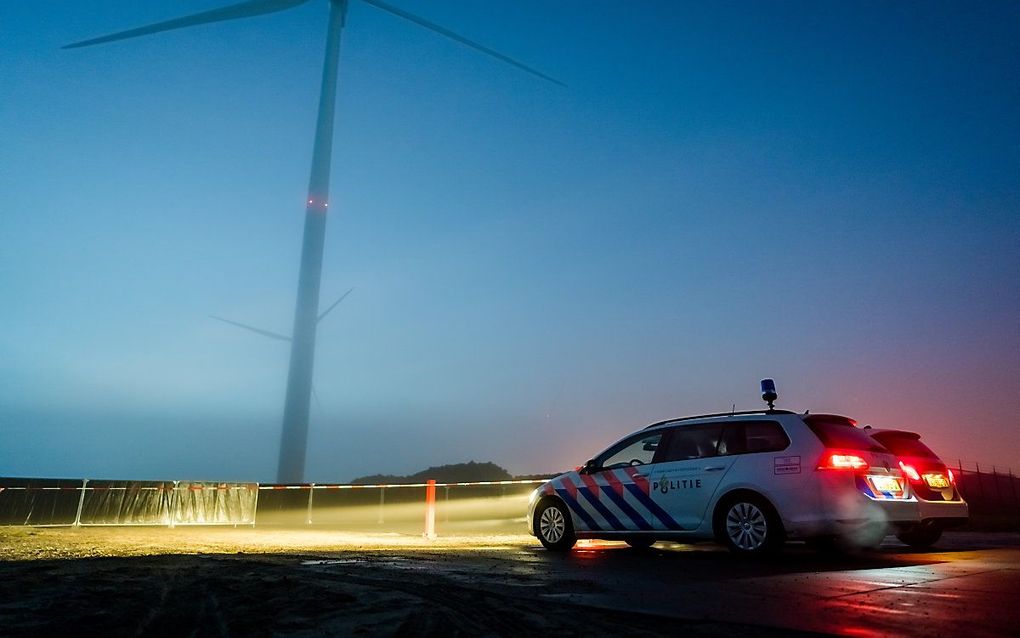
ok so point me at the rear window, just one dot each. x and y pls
(842, 435)
(902, 444)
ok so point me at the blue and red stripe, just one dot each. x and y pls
(576, 507)
(652, 506)
(638, 520)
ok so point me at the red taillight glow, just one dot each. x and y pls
(911, 473)
(952, 477)
(842, 461)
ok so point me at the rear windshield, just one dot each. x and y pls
(905, 445)
(844, 436)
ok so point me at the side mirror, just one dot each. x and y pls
(589, 467)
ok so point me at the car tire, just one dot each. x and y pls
(749, 525)
(553, 527)
(640, 542)
(921, 536)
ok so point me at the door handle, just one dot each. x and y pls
(715, 468)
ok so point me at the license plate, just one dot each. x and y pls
(937, 481)
(886, 483)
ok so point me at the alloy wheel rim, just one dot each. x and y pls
(746, 526)
(552, 524)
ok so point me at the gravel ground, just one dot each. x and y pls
(244, 582)
(28, 543)
(316, 582)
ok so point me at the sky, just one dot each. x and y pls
(826, 193)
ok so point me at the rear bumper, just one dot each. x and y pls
(956, 512)
(898, 513)
(847, 511)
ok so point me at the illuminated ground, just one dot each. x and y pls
(62, 542)
(224, 582)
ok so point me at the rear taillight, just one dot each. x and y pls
(909, 470)
(842, 461)
(952, 477)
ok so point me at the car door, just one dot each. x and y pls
(687, 471)
(614, 494)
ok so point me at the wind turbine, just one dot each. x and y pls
(294, 436)
(276, 336)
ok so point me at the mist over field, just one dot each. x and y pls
(821, 193)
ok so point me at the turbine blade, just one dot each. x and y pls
(317, 402)
(459, 38)
(233, 12)
(335, 304)
(264, 333)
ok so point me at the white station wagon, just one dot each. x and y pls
(749, 479)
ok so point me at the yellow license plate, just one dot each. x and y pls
(886, 483)
(937, 481)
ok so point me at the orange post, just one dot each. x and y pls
(430, 509)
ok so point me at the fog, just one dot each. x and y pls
(822, 194)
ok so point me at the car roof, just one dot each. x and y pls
(718, 415)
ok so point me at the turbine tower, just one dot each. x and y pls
(294, 436)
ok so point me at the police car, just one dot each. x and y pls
(940, 504)
(749, 479)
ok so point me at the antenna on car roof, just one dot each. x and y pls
(768, 392)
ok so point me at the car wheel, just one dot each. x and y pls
(921, 536)
(553, 526)
(640, 542)
(749, 525)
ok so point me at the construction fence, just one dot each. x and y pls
(482, 506)
(992, 495)
(490, 506)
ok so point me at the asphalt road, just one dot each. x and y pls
(970, 586)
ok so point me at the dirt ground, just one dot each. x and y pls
(242, 582)
(317, 582)
(39, 543)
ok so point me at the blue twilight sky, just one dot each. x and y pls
(824, 192)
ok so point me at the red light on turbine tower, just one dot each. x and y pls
(321, 203)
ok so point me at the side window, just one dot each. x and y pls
(748, 437)
(690, 442)
(638, 450)
(734, 440)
